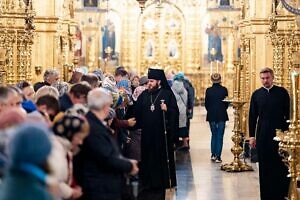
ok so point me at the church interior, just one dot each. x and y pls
(235, 38)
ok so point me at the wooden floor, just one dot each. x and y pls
(200, 179)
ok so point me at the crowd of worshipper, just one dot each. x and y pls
(49, 142)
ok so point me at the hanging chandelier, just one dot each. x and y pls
(142, 3)
(290, 7)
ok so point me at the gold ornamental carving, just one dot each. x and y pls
(245, 81)
(285, 41)
(161, 37)
(289, 141)
(10, 40)
(21, 56)
(16, 38)
(279, 48)
(285, 36)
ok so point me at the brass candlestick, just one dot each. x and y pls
(236, 165)
(289, 141)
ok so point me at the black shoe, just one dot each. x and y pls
(183, 148)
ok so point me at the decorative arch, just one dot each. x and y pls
(164, 25)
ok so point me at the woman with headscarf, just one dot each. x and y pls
(181, 98)
(70, 131)
(133, 149)
(27, 176)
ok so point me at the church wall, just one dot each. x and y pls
(193, 38)
(269, 37)
(46, 8)
(255, 24)
(224, 19)
(54, 39)
(255, 49)
(130, 37)
(123, 16)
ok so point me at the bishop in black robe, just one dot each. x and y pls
(155, 173)
(269, 110)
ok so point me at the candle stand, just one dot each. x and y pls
(237, 103)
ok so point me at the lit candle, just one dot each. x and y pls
(294, 99)
(37, 52)
(211, 67)
(235, 46)
(217, 66)
(222, 70)
(237, 77)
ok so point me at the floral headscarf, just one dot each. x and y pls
(137, 92)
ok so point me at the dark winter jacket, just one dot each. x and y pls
(214, 104)
(102, 166)
(65, 102)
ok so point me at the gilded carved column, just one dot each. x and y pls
(29, 37)
(28, 61)
(244, 80)
(65, 49)
(278, 52)
(246, 67)
(3, 59)
(10, 40)
(72, 40)
(278, 43)
(21, 57)
(64, 56)
(290, 43)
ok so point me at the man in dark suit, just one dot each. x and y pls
(216, 115)
(99, 166)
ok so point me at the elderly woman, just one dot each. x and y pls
(27, 176)
(70, 131)
(46, 90)
(102, 164)
(181, 98)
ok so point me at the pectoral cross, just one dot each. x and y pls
(152, 107)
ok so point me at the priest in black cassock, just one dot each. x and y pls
(155, 173)
(269, 110)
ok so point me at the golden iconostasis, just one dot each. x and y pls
(197, 37)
